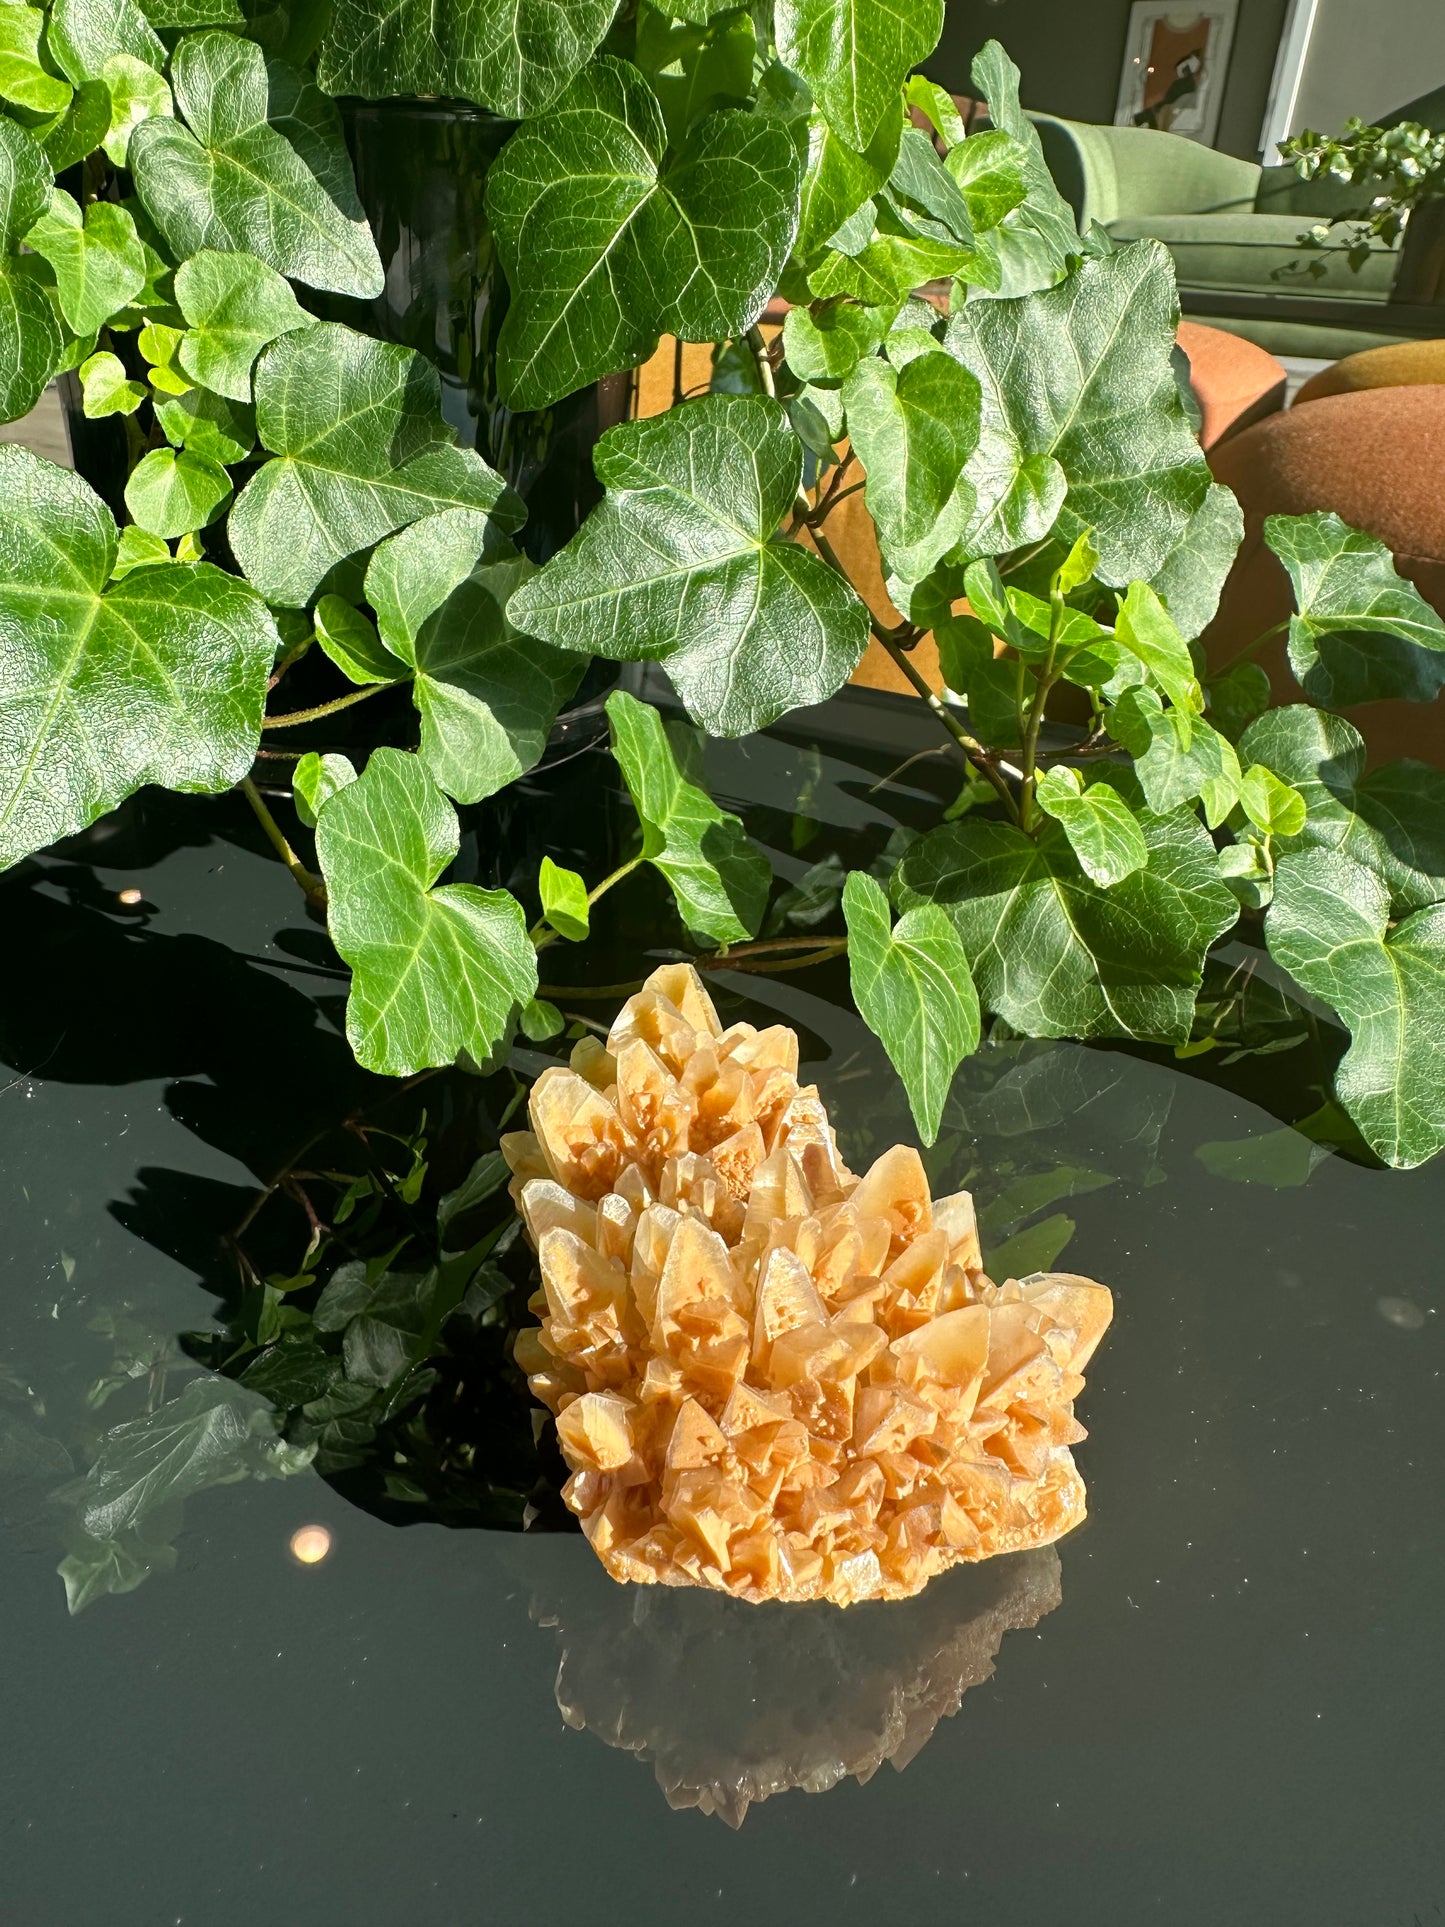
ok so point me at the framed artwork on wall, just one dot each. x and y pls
(1175, 62)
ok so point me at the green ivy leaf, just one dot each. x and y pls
(361, 449)
(98, 259)
(85, 33)
(1098, 348)
(605, 247)
(564, 901)
(106, 389)
(696, 67)
(349, 639)
(206, 424)
(837, 181)
(913, 429)
(30, 336)
(1037, 242)
(886, 270)
(136, 92)
(69, 137)
(25, 80)
(315, 780)
(1191, 578)
(681, 564)
(720, 880)
(1272, 806)
(160, 678)
(1176, 757)
(1329, 927)
(229, 180)
(854, 58)
(988, 169)
(137, 549)
(1146, 630)
(171, 491)
(234, 306)
(1391, 821)
(1362, 632)
(488, 696)
(1056, 955)
(931, 99)
(827, 345)
(920, 178)
(511, 56)
(913, 989)
(1099, 824)
(1237, 697)
(541, 1020)
(437, 974)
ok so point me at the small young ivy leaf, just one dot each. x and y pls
(136, 92)
(1391, 821)
(1105, 337)
(137, 549)
(159, 678)
(315, 780)
(913, 429)
(25, 80)
(488, 695)
(912, 986)
(67, 138)
(1329, 927)
(541, 1020)
(854, 58)
(510, 56)
(1176, 763)
(837, 182)
(921, 177)
(85, 33)
(1146, 629)
(159, 344)
(989, 171)
(234, 306)
(106, 389)
(1270, 805)
(887, 268)
(1057, 956)
(1099, 824)
(171, 491)
(98, 259)
(228, 179)
(606, 245)
(564, 901)
(719, 878)
(361, 449)
(1078, 565)
(437, 973)
(1363, 632)
(349, 638)
(207, 424)
(828, 345)
(682, 564)
(1245, 868)
(940, 107)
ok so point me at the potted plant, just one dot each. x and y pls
(1400, 172)
(1041, 504)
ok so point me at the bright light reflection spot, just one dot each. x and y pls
(130, 896)
(310, 1545)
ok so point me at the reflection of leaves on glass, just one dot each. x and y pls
(733, 1703)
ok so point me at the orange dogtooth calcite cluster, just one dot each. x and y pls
(770, 1376)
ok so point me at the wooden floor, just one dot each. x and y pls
(43, 429)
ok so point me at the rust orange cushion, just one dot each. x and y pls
(1235, 382)
(1377, 459)
(1400, 364)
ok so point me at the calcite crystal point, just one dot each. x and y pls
(770, 1376)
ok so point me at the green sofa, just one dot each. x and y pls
(1233, 229)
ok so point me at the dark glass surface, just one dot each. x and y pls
(1228, 1708)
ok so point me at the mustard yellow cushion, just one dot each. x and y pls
(1400, 364)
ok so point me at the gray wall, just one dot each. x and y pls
(1365, 59)
(1071, 53)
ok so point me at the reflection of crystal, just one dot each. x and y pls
(735, 1702)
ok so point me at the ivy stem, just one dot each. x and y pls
(892, 640)
(1047, 679)
(764, 360)
(1244, 654)
(293, 717)
(819, 951)
(312, 886)
(541, 936)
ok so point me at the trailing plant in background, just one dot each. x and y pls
(1397, 170)
(175, 195)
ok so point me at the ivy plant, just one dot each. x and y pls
(898, 308)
